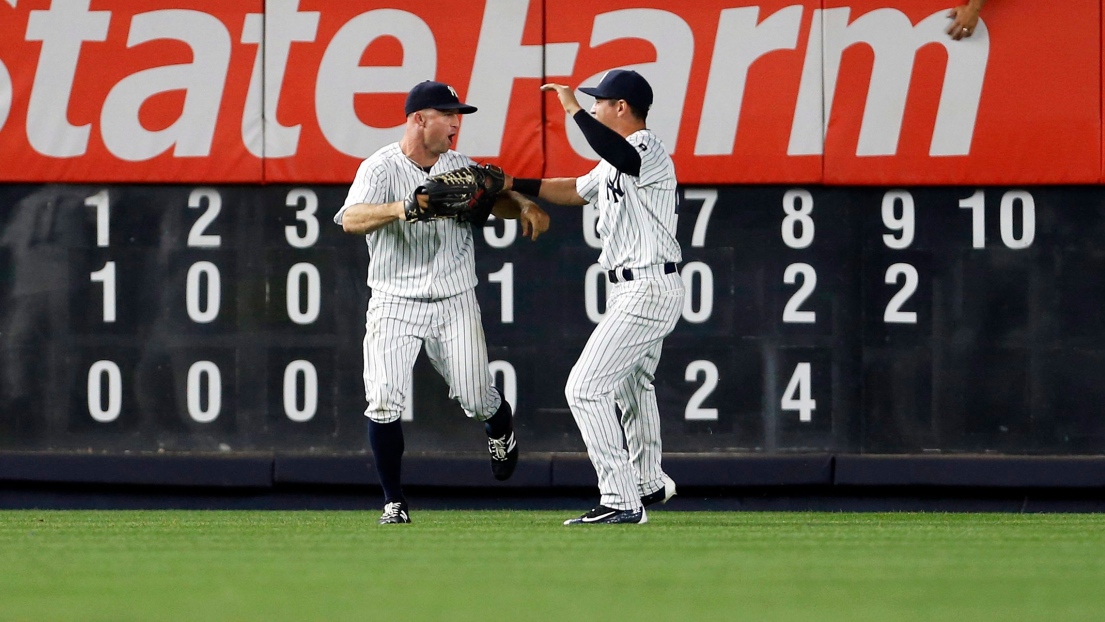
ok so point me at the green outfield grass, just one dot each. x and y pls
(520, 566)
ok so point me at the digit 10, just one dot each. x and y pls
(976, 203)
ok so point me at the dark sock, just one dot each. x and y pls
(387, 444)
(501, 423)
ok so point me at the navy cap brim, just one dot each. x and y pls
(594, 91)
(460, 108)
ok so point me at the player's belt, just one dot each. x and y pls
(618, 275)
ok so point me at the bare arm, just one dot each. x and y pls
(364, 218)
(514, 206)
(559, 190)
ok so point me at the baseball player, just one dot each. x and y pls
(423, 277)
(634, 189)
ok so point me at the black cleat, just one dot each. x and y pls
(603, 515)
(660, 496)
(504, 456)
(395, 513)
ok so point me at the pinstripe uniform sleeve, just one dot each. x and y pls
(369, 186)
(587, 186)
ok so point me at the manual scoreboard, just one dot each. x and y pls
(816, 319)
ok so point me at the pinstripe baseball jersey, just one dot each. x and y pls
(637, 215)
(429, 259)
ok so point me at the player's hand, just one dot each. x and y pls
(964, 20)
(535, 220)
(412, 207)
(567, 97)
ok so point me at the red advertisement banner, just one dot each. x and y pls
(128, 91)
(1005, 106)
(837, 92)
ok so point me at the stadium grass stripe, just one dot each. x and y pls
(519, 565)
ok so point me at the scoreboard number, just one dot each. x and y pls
(101, 201)
(797, 227)
(904, 224)
(300, 275)
(97, 374)
(204, 375)
(705, 292)
(203, 274)
(492, 237)
(710, 376)
(106, 277)
(308, 202)
(1009, 201)
(292, 374)
(798, 394)
(214, 201)
(893, 313)
(708, 196)
(505, 278)
(792, 313)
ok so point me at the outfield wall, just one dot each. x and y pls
(819, 319)
(891, 239)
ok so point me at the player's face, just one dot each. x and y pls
(439, 129)
(605, 110)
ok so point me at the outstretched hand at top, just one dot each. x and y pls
(566, 95)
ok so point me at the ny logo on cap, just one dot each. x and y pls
(451, 90)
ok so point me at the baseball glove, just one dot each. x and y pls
(465, 193)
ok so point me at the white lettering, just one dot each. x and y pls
(283, 25)
(669, 75)
(807, 131)
(253, 122)
(62, 29)
(341, 77)
(201, 80)
(740, 41)
(500, 58)
(6, 94)
(894, 41)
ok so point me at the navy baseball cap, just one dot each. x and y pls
(436, 95)
(623, 84)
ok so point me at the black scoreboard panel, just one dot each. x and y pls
(855, 320)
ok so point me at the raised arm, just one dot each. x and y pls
(964, 19)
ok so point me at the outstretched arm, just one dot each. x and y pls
(559, 190)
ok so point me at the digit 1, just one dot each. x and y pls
(106, 275)
(101, 202)
(976, 203)
(505, 278)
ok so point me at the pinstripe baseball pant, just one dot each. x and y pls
(617, 366)
(451, 329)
